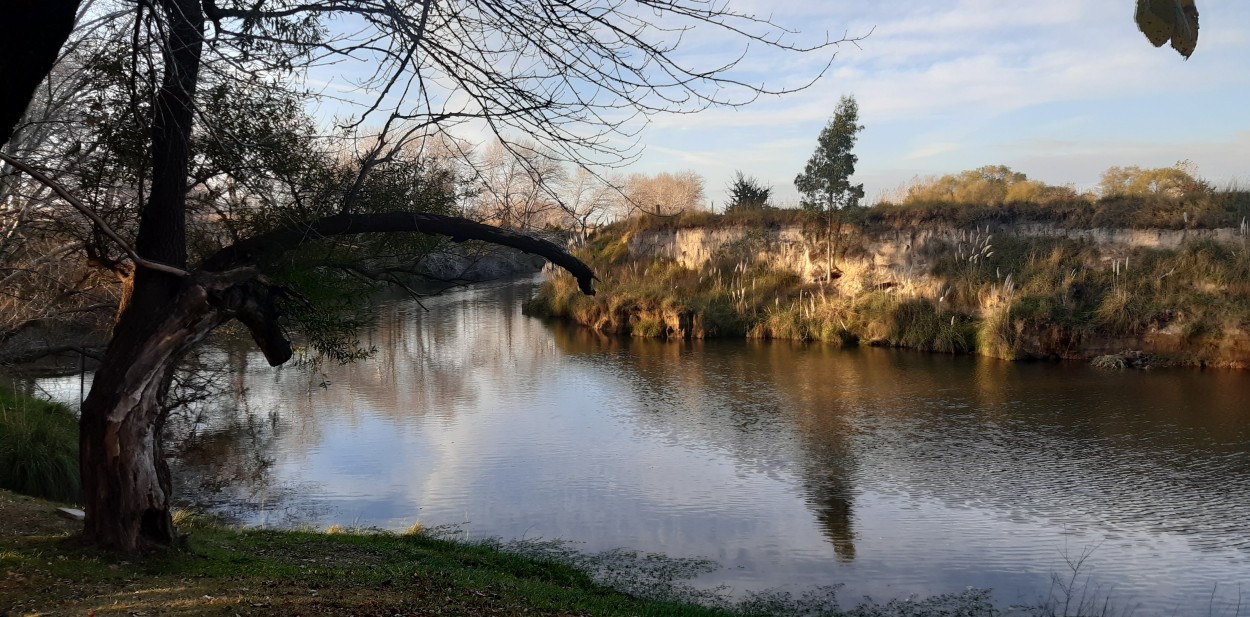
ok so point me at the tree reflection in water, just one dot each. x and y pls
(745, 400)
(903, 470)
(221, 448)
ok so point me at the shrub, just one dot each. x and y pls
(746, 194)
(649, 327)
(38, 448)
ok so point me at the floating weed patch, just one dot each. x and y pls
(652, 576)
(664, 578)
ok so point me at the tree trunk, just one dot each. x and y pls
(31, 35)
(126, 483)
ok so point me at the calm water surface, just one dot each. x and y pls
(893, 473)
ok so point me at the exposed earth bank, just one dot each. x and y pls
(1128, 297)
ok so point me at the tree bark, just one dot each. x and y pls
(126, 483)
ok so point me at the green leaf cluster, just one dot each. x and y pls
(747, 194)
(825, 183)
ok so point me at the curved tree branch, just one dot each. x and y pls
(273, 243)
(95, 218)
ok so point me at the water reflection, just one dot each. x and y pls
(748, 401)
(797, 465)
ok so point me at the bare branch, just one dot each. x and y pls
(271, 244)
(95, 218)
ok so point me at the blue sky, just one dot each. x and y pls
(1059, 90)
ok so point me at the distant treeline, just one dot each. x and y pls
(937, 274)
(1127, 197)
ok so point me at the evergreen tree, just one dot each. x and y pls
(746, 193)
(825, 182)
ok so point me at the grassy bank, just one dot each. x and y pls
(239, 572)
(38, 447)
(260, 572)
(256, 572)
(996, 295)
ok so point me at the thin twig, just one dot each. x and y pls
(95, 218)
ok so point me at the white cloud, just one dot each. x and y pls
(972, 82)
(931, 150)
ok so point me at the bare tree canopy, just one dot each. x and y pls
(576, 76)
(198, 92)
(665, 194)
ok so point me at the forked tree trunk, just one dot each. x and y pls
(125, 479)
(126, 483)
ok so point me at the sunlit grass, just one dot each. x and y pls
(1006, 297)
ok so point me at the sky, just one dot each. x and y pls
(1060, 90)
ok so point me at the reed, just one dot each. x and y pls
(38, 448)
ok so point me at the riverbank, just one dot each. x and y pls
(262, 572)
(749, 408)
(230, 571)
(224, 571)
(1012, 290)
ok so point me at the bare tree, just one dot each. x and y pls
(48, 287)
(665, 194)
(516, 185)
(587, 201)
(576, 76)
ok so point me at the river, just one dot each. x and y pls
(793, 466)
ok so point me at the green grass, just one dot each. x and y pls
(225, 571)
(228, 572)
(38, 448)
